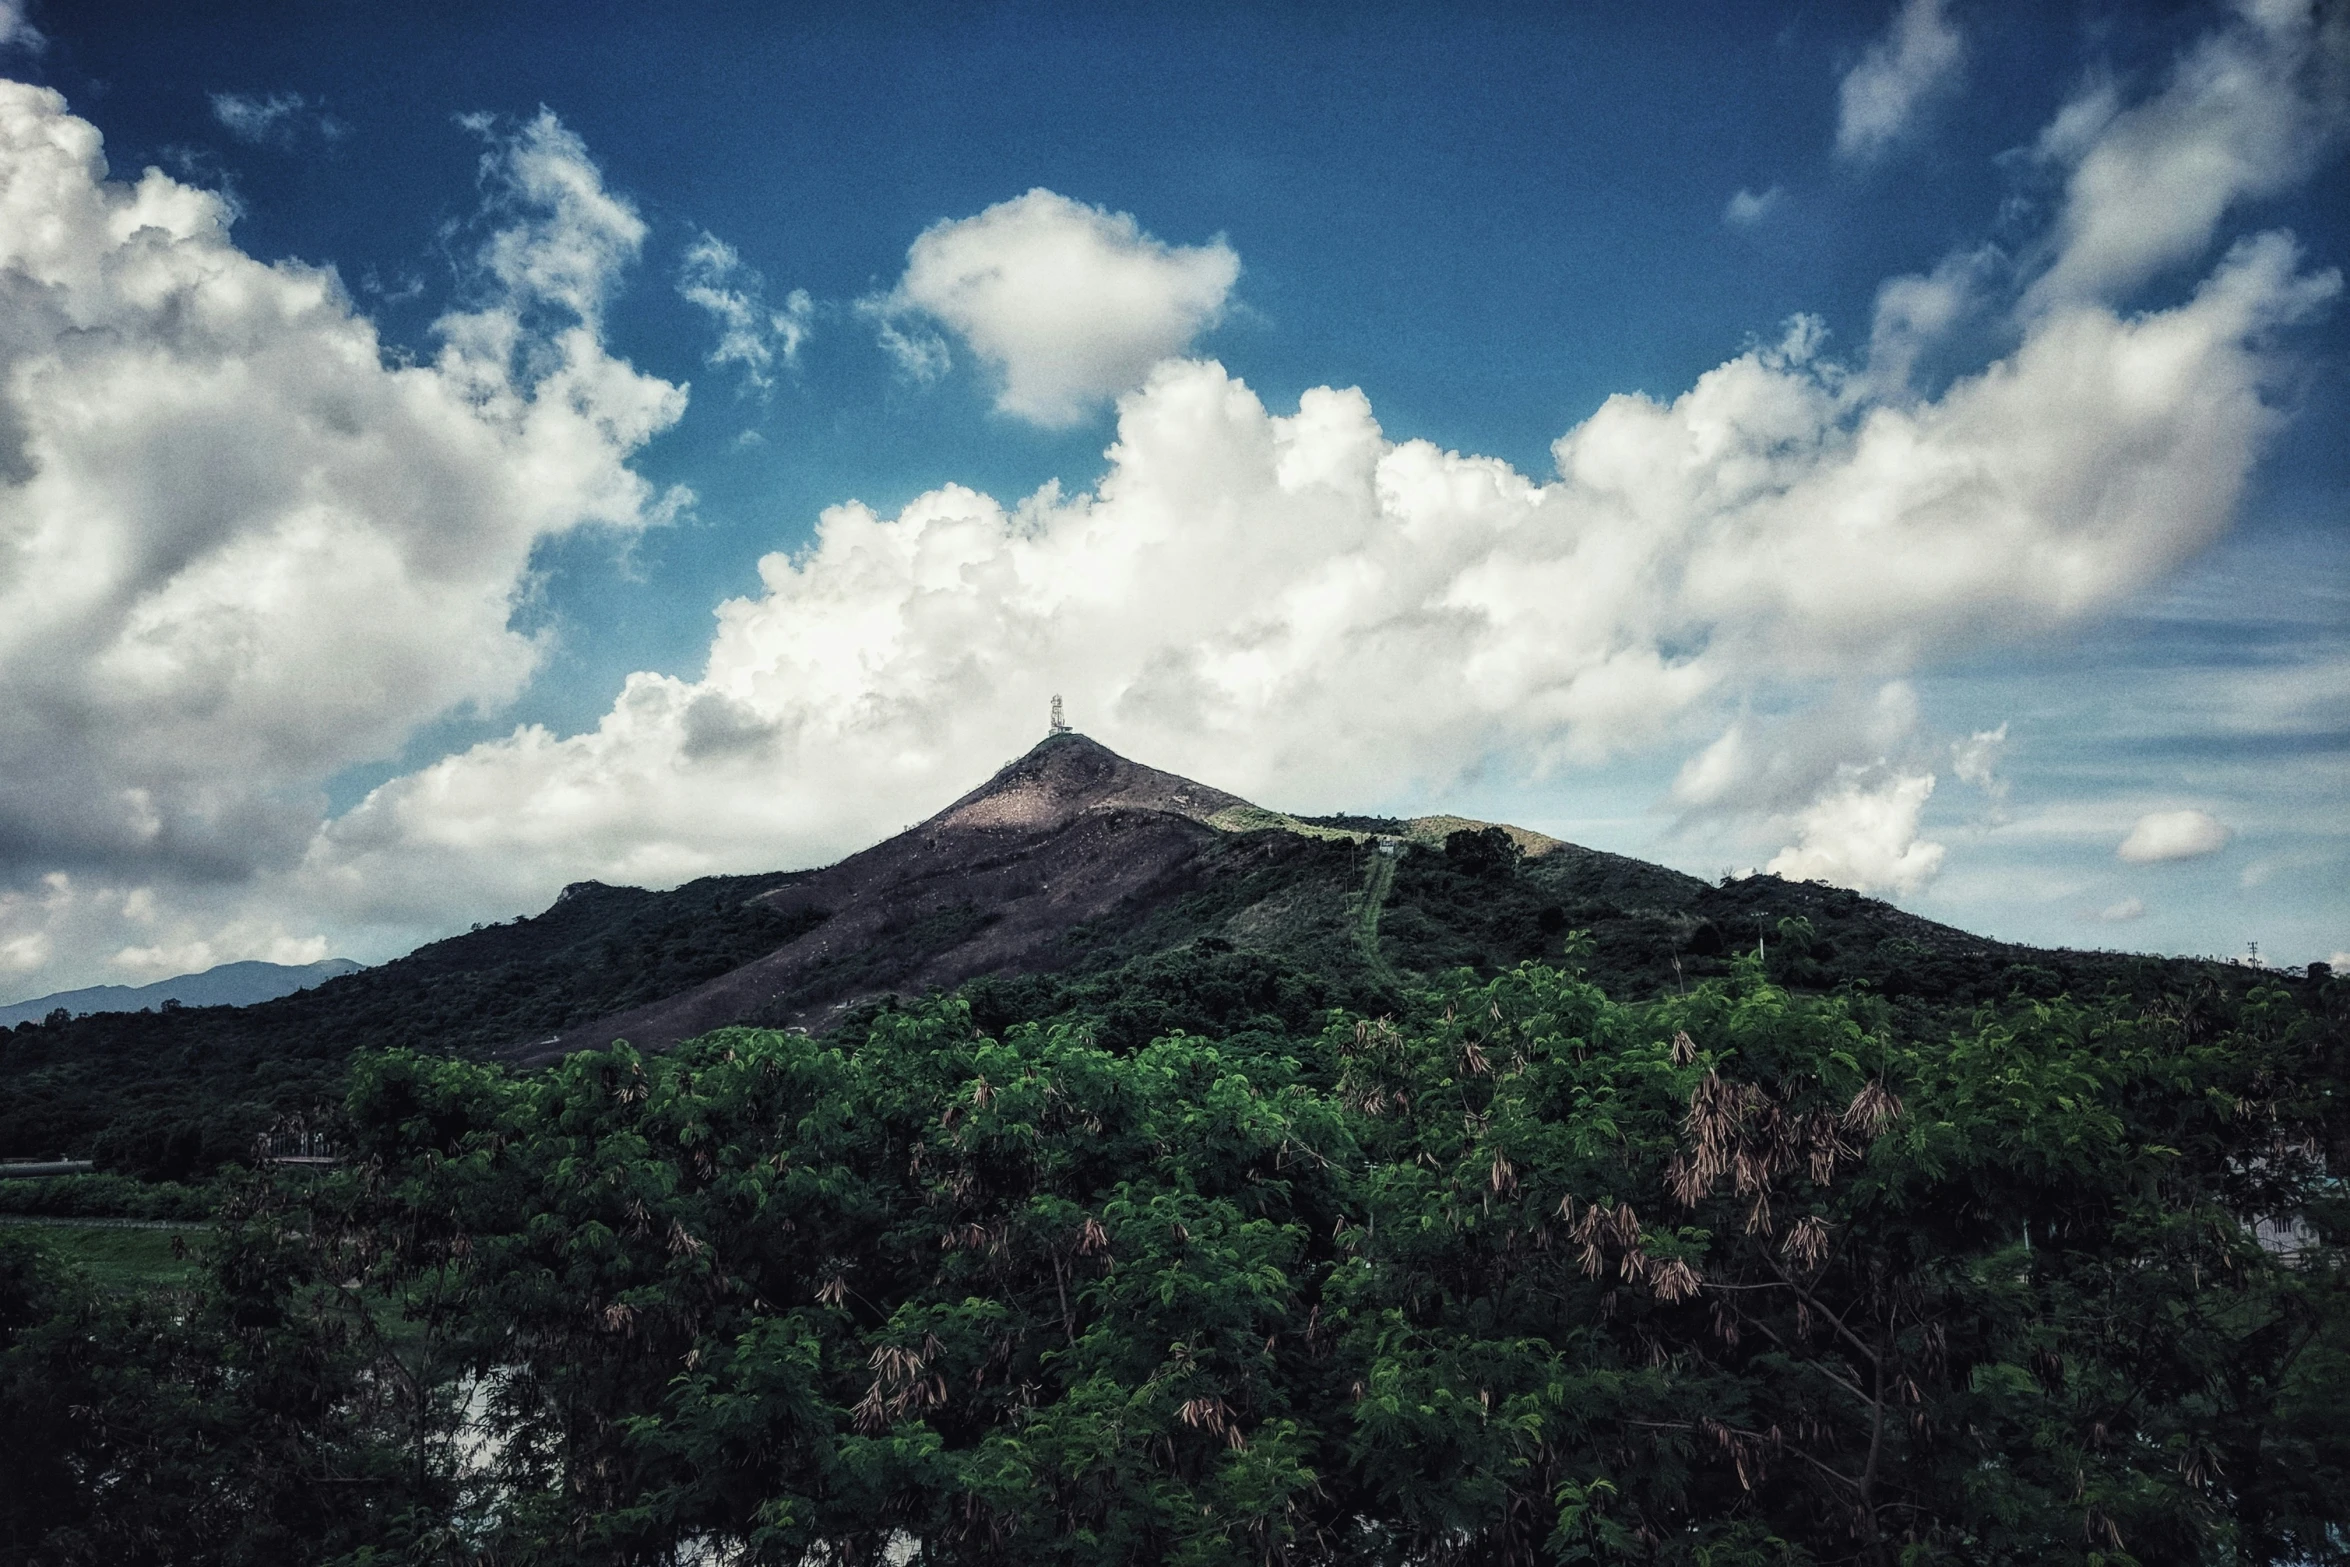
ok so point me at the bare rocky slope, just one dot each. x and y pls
(1069, 833)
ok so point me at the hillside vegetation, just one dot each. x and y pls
(177, 1094)
(166, 1095)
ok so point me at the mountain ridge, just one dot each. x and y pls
(1072, 841)
(1072, 882)
(238, 984)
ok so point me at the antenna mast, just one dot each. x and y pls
(1060, 725)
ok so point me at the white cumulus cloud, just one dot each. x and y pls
(1863, 834)
(1842, 777)
(1069, 304)
(1920, 58)
(1780, 765)
(2159, 836)
(241, 545)
(1297, 606)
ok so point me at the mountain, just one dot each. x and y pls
(1073, 860)
(1073, 883)
(1068, 836)
(225, 985)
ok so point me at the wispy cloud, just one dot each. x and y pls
(557, 237)
(17, 30)
(1748, 207)
(274, 119)
(1921, 57)
(751, 333)
(2247, 112)
(1976, 761)
(921, 355)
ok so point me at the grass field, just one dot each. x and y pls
(121, 1258)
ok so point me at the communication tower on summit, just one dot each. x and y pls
(1060, 724)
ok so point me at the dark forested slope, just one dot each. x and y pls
(175, 1092)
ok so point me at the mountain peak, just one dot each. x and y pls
(1067, 833)
(1066, 775)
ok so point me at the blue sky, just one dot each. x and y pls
(1969, 599)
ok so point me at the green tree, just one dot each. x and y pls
(1521, 1274)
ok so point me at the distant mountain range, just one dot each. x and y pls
(225, 985)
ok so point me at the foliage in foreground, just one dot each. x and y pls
(1528, 1275)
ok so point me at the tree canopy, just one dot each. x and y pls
(1520, 1273)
